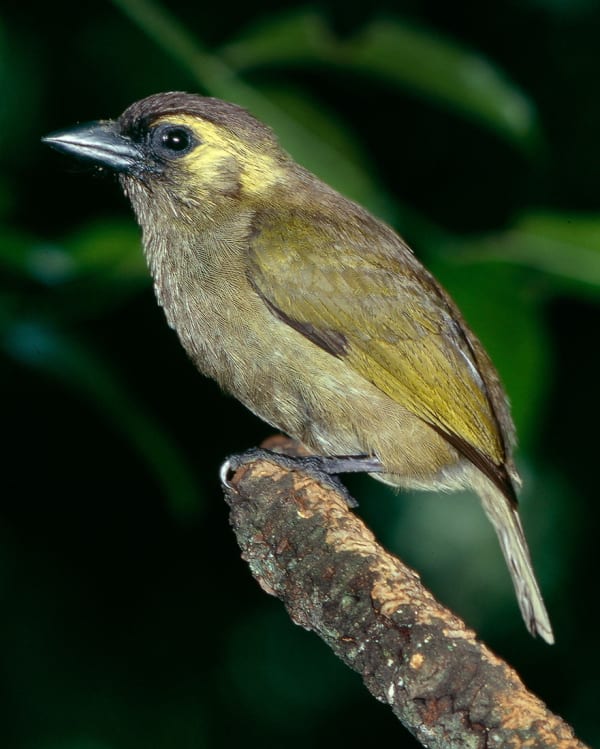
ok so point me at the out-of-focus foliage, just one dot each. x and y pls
(396, 51)
(127, 618)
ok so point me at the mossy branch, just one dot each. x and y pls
(307, 548)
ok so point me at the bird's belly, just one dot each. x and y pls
(318, 399)
(310, 394)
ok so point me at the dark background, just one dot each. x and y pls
(128, 619)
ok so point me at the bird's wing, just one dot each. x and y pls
(367, 300)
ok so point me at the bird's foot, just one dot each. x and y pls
(324, 469)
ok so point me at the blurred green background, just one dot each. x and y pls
(128, 620)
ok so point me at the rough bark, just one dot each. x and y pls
(305, 546)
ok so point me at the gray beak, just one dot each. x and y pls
(100, 143)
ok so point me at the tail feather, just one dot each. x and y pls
(507, 524)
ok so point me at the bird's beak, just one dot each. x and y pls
(100, 143)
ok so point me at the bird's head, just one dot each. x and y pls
(181, 154)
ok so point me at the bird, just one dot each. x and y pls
(313, 313)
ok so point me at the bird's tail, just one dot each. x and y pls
(507, 524)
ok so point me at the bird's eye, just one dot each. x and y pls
(175, 139)
(172, 141)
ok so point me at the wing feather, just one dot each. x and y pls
(358, 292)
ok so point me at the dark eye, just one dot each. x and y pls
(171, 141)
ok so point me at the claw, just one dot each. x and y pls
(224, 471)
(324, 469)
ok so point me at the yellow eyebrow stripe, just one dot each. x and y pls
(259, 168)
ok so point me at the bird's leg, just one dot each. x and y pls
(324, 468)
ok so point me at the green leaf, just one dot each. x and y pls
(56, 353)
(446, 72)
(86, 275)
(565, 247)
(108, 251)
(418, 59)
(300, 35)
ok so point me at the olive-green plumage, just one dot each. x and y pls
(309, 310)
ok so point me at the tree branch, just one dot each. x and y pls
(307, 548)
